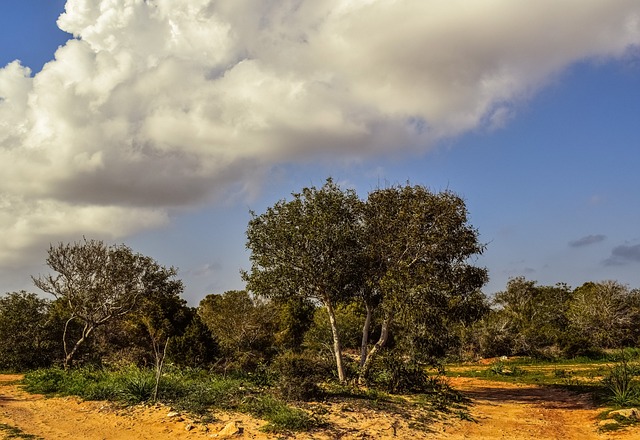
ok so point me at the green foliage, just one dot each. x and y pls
(605, 314)
(349, 318)
(28, 332)
(196, 347)
(188, 390)
(530, 319)
(242, 325)
(395, 375)
(622, 384)
(99, 284)
(298, 375)
(499, 368)
(295, 318)
(280, 416)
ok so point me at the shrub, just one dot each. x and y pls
(297, 376)
(621, 384)
(394, 375)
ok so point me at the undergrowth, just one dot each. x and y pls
(192, 391)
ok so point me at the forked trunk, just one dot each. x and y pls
(384, 335)
(86, 331)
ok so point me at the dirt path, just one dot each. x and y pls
(501, 411)
(515, 412)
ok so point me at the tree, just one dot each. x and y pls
(417, 245)
(196, 347)
(603, 314)
(27, 331)
(531, 319)
(98, 283)
(308, 247)
(242, 326)
(161, 313)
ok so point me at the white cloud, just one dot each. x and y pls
(161, 104)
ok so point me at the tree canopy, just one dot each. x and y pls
(98, 283)
(403, 251)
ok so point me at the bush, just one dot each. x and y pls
(44, 381)
(394, 375)
(297, 376)
(622, 385)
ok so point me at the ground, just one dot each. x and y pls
(499, 411)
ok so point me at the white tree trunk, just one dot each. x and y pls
(337, 348)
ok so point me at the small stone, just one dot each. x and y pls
(630, 413)
(188, 427)
(175, 415)
(229, 430)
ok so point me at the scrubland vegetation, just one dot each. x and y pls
(346, 299)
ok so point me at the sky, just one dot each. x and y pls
(161, 123)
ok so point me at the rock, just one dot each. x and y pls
(175, 415)
(229, 430)
(188, 427)
(629, 413)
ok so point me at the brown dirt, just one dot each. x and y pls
(501, 411)
(517, 412)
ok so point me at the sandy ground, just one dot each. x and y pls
(514, 411)
(500, 410)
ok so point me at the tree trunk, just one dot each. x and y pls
(364, 347)
(384, 335)
(86, 331)
(337, 348)
(160, 356)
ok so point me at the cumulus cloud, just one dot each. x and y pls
(587, 240)
(624, 254)
(157, 105)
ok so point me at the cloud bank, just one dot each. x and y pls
(157, 105)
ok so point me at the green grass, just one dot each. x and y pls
(191, 391)
(611, 380)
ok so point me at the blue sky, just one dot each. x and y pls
(539, 136)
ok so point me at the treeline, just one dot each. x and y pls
(339, 287)
(557, 321)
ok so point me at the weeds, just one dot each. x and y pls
(621, 384)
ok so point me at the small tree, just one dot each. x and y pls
(242, 326)
(308, 248)
(97, 282)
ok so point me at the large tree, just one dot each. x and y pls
(308, 247)
(97, 283)
(417, 246)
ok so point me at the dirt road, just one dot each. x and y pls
(501, 411)
(514, 412)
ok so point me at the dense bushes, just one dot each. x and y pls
(552, 321)
(29, 332)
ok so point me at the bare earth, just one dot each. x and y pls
(500, 410)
